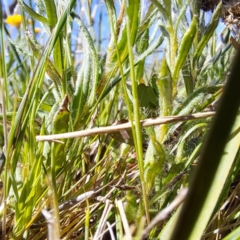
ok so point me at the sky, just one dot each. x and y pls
(99, 32)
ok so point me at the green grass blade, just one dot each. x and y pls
(94, 61)
(117, 79)
(208, 34)
(112, 21)
(58, 48)
(205, 185)
(132, 15)
(184, 48)
(164, 84)
(51, 13)
(161, 8)
(32, 13)
(31, 91)
(233, 235)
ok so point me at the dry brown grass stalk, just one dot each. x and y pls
(119, 127)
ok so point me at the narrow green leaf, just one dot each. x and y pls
(233, 235)
(37, 51)
(117, 79)
(58, 48)
(51, 13)
(208, 34)
(112, 18)
(32, 13)
(166, 232)
(60, 125)
(195, 127)
(142, 45)
(19, 124)
(181, 15)
(133, 14)
(218, 154)
(187, 76)
(183, 51)
(131, 207)
(147, 97)
(161, 9)
(112, 62)
(153, 162)
(61, 117)
(88, 76)
(164, 85)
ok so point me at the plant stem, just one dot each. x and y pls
(54, 190)
(137, 127)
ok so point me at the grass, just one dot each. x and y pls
(83, 156)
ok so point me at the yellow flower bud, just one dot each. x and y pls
(14, 20)
(37, 30)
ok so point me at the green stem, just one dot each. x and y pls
(137, 127)
(4, 200)
(54, 189)
(173, 45)
(5, 106)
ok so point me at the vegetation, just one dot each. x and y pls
(82, 158)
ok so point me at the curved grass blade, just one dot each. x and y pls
(37, 51)
(87, 76)
(117, 79)
(187, 134)
(153, 162)
(208, 34)
(58, 47)
(161, 8)
(233, 235)
(184, 49)
(32, 13)
(112, 21)
(218, 154)
(112, 58)
(60, 125)
(20, 121)
(164, 84)
(187, 76)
